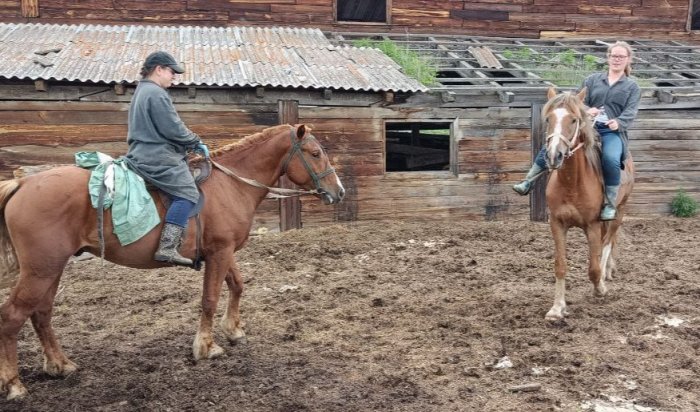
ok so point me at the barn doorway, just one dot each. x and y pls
(417, 146)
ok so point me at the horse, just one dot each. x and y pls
(47, 218)
(575, 192)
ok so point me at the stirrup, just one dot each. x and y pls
(523, 187)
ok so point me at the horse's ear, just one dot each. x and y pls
(301, 131)
(551, 92)
(582, 94)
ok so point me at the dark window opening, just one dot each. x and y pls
(372, 11)
(501, 77)
(695, 16)
(451, 77)
(417, 146)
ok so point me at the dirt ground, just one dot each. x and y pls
(389, 317)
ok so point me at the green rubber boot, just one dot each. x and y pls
(525, 186)
(609, 212)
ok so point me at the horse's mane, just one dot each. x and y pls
(587, 133)
(251, 140)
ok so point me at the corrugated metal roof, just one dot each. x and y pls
(212, 56)
(485, 57)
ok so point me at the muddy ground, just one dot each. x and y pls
(389, 317)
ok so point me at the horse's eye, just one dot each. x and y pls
(316, 153)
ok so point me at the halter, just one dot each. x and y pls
(569, 143)
(296, 149)
(280, 192)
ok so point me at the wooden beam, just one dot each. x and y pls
(41, 85)
(30, 8)
(538, 203)
(119, 89)
(290, 208)
(192, 92)
(388, 97)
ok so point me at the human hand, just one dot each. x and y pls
(593, 111)
(201, 147)
(612, 124)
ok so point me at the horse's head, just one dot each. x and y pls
(567, 125)
(307, 165)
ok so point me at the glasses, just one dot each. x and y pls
(618, 56)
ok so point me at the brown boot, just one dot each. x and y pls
(170, 240)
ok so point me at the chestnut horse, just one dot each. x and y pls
(48, 218)
(575, 192)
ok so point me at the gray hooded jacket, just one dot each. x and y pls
(158, 142)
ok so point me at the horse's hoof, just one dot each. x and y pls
(207, 351)
(600, 291)
(16, 391)
(64, 368)
(237, 336)
(215, 351)
(553, 316)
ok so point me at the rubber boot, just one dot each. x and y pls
(170, 240)
(609, 212)
(525, 186)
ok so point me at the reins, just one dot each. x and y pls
(273, 192)
(279, 192)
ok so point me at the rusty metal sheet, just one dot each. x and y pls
(212, 56)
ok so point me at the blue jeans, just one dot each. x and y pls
(179, 211)
(611, 158)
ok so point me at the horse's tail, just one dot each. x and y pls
(8, 259)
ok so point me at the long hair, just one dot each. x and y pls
(628, 48)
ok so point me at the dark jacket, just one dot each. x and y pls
(158, 142)
(621, 100)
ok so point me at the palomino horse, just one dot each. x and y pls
(575, 192)
(48, 218)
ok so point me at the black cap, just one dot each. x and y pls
(161, 58)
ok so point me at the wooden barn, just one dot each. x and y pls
(402, 150)
(501, 18)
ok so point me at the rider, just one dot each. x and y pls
(613, 100)
(158, 142)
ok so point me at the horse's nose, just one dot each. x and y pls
(560, 157)
(341, 193)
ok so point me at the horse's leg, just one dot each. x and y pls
(609, 268)
(56, 363)
(594, 233)
(558, 309)
(216, 267)
(22, 302)
(231, 322)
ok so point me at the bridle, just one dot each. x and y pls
(280, 192)
(296, 149)
(570, 143)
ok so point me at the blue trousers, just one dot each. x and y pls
(179, 211)
(611, 157)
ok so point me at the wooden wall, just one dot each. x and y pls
(491, 148)
(508, 18)
(51, 131)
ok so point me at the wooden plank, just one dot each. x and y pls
(151, 5)
(30, 8)
(289, 208)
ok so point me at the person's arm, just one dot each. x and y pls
(624, 120)
(169, 124)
